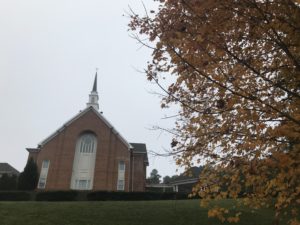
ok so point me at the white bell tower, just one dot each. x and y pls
(93, 97)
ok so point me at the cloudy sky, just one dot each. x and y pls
(48, 54)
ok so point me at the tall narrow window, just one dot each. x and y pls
(121, 176)
(84, 162)
(43, 174)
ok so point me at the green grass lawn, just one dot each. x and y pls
(180, 212)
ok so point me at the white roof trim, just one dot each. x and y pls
(42, 143)
(185, 181)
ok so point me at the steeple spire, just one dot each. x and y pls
(95, 84)
(93, 97)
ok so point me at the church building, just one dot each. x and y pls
(88, 153)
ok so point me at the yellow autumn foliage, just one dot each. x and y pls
(237, 65)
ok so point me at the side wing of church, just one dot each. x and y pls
(87, 153)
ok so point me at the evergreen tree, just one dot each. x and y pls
(154, 177)
(28, 179)
(167, 180)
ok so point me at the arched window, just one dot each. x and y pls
(87, 143)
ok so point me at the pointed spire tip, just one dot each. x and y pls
(95, 83)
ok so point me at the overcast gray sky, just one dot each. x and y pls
(49, 50)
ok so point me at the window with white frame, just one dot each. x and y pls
(42, 183)
(45, 164)
(87, 143)
(82, 184)
(121, 176)
(43, 174)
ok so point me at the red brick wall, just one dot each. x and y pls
(61, 151)
(139, 172)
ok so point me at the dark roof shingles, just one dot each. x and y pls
(139, 147)
(6, 168)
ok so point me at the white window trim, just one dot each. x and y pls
(85, 149)
(44, 174)
(121, 176)
(79, 184)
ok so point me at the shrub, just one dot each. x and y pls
(134, 196)
(56, 196)
(90, 196)
(15, 196)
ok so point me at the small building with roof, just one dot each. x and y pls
(6, 168)
(183, 183)
(88, 153)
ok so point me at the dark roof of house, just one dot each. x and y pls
(6, 168)
(140, 148)
(33, 149)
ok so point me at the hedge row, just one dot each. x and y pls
(56, 196)
(15, 196)
(89, 196)
(134, 196)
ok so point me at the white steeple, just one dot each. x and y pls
(93, 97)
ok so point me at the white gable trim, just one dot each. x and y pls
(80, 114)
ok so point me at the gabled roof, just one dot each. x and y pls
(6, 168)
(76, 117)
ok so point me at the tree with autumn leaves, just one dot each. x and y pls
(236, 66)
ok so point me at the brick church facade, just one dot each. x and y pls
(87, 153)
